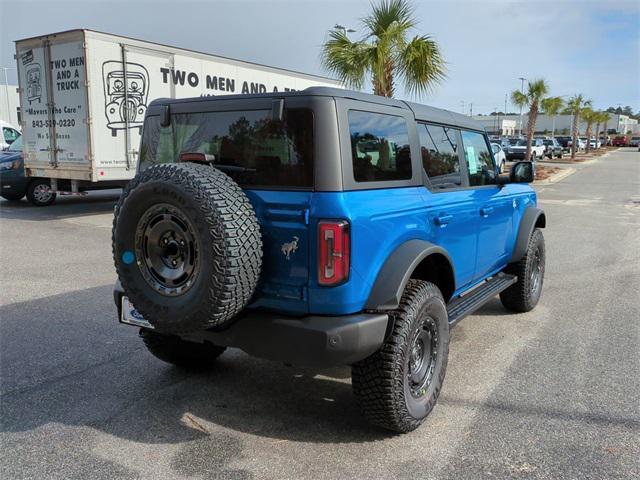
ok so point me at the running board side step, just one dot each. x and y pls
(460, 307)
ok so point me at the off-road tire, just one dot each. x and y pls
(35, 196)
(523, 295)
(225, 236)
(380, 382)
(172, 349)
(12, 197)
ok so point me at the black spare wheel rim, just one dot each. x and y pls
(422, 358)
(167, 249)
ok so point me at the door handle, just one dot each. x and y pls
(485, 211)
(442, 220)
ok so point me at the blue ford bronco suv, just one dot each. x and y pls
(322, 227)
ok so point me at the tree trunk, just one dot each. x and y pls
(574, 135)
(588, 132)
(553, 127)
(597, 134)
(384, 87)
(531, 124)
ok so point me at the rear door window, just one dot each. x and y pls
(249, 146)
(440, 157)
(480, 165)
(379, 147)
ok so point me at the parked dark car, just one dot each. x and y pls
(14, 184)
(552, 148)
(634, 142)
(564, 142)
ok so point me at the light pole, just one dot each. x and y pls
(6, 91)
(344, 29)
(522, 79)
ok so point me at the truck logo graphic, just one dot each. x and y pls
(125, 102)
(34, 87)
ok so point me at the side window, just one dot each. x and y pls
(379, 147)
(439, 150)
(482, 170)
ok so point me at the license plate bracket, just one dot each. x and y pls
(130, 316)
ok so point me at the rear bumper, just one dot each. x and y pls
(319, 341)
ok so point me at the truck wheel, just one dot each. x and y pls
(39, 193)
(523, 295)
(174, 350)
(187, 246)
(12, 197)
(397, 387)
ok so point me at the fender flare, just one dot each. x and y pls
(396, 272)
(532, 216)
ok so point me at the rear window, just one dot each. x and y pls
(249, 146)
(379, 147)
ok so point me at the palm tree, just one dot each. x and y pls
(590, 116)
(606, 116)
(536, 90)
(552, 106)
(599, 121)
(386, 52)
(575, 105)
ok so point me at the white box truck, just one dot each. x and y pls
(84, 95)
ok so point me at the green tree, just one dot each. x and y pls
(536, 90)
(590, 116)
(552, 107)
(575, 104)
(386, 52)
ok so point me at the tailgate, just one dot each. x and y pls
(283, 218)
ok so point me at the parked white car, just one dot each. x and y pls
(519, 150)
(9, 134)
(499, 155)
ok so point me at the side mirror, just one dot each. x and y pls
(522, 172)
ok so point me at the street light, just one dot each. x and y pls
(344, 29)
(6, 89)
(522, 79)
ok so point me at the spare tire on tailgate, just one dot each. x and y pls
(187, 246)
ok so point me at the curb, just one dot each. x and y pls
(561, 175)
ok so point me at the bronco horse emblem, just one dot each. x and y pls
(290, 247)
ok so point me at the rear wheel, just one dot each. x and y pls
(398, 386)
(39, 193)
(179, 352)
(523, 295)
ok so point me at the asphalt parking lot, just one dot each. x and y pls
(554, 393)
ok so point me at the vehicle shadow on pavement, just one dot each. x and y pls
(65, 359)
(64, 207)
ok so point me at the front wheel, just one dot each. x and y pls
(179, 352)
(523, 295)
(40, 194)
(398, 386)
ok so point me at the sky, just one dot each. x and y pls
(577, 46)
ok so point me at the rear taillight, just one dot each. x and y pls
(334, 253)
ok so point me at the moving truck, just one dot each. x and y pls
(84, 95)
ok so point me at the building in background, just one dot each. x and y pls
(498, 125)
(545, 124)
(10, 104)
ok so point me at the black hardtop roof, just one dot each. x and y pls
(421, 112)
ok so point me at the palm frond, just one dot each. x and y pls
(348, 60)
(519, 99)
(390, 17)
(420, 64)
